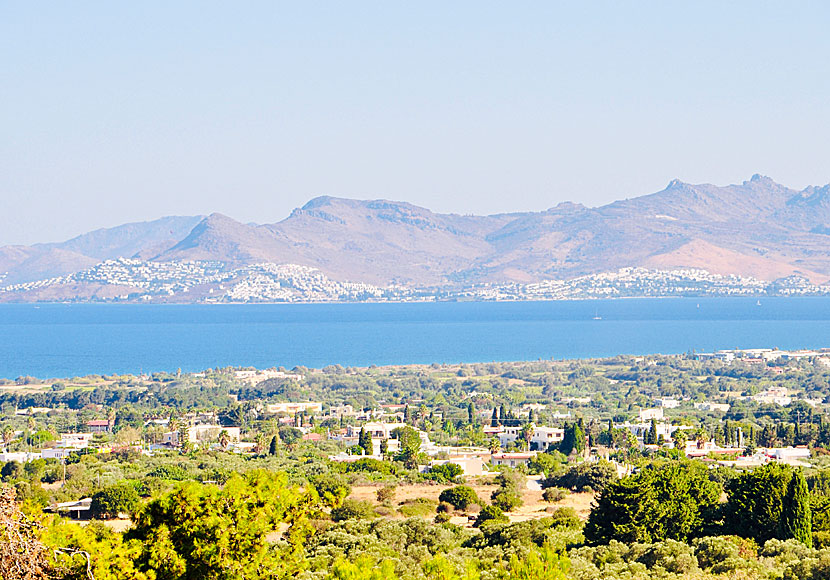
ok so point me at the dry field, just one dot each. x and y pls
(534, 506)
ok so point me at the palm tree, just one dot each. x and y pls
(224, 439)
(8, 435)
(526, 433)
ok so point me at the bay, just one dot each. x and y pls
(66, 340)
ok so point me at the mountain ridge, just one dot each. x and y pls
(756, 228)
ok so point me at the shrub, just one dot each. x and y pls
(445, 472)
(595, 476)
(386, 493)
(353, 509)
(418, 507)
(506, 500)
(441, 518)
(171, 472)
(554, 494)
(332, 489)
(459, 496)
(490, 513)
(720, 554)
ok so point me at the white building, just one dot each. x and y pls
(649, 414)
(541, 439)
(200, 433)
(470, 465)
(292, 408)
(75, 440)
(511, 459)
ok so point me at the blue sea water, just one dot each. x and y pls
(65, 340)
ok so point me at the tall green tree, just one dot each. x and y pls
(756, 502)
(796, 516)
(672, 501)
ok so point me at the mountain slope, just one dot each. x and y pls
(756, 228)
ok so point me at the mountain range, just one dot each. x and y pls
(758, 228)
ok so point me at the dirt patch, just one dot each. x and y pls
(534, 506)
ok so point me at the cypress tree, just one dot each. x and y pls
(494, 420)
(384, 447)
(471, 413)
(272, 449)
(796, 517)
(652, 433)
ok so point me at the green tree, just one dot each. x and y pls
(272, 448)
(672, 501)
(756, 500)
(796, 517)
(203, 531)
(410, 445)
(573, 441)
(460, 497)
(114, 500)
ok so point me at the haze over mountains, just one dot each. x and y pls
(757, 228)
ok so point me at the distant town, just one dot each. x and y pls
(132, 280)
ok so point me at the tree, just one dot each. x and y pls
(756, 500)
(224, 438)
(114, 500)
(471, 413)
(272, 448)
(446, 472)
(494, 419)
(410, 445)
(573, 441)
(796, 517)
(364, 441)
(460, 497)
(208, 532)
(490, 513)
(384, 447)
(526, 434)
(585, 476)
(650, 438)
(673, 501)
(332, 489)
(508, 496)
(22, 555)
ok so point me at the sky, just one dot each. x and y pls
(112, 112)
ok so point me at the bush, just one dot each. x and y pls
(332, 489)
(490, 513)
(418, 507)
(441, 518)
(353, 509)
(386, 494)
(171, 472)
(459, 497)
(719, 554)
(554, 494)
(506, 500)
(445, 473)
(595, 476)
(114, 500)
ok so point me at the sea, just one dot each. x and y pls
(70, 340)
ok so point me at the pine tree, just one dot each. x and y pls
(796, 517)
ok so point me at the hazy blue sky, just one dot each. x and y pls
(125, 111)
